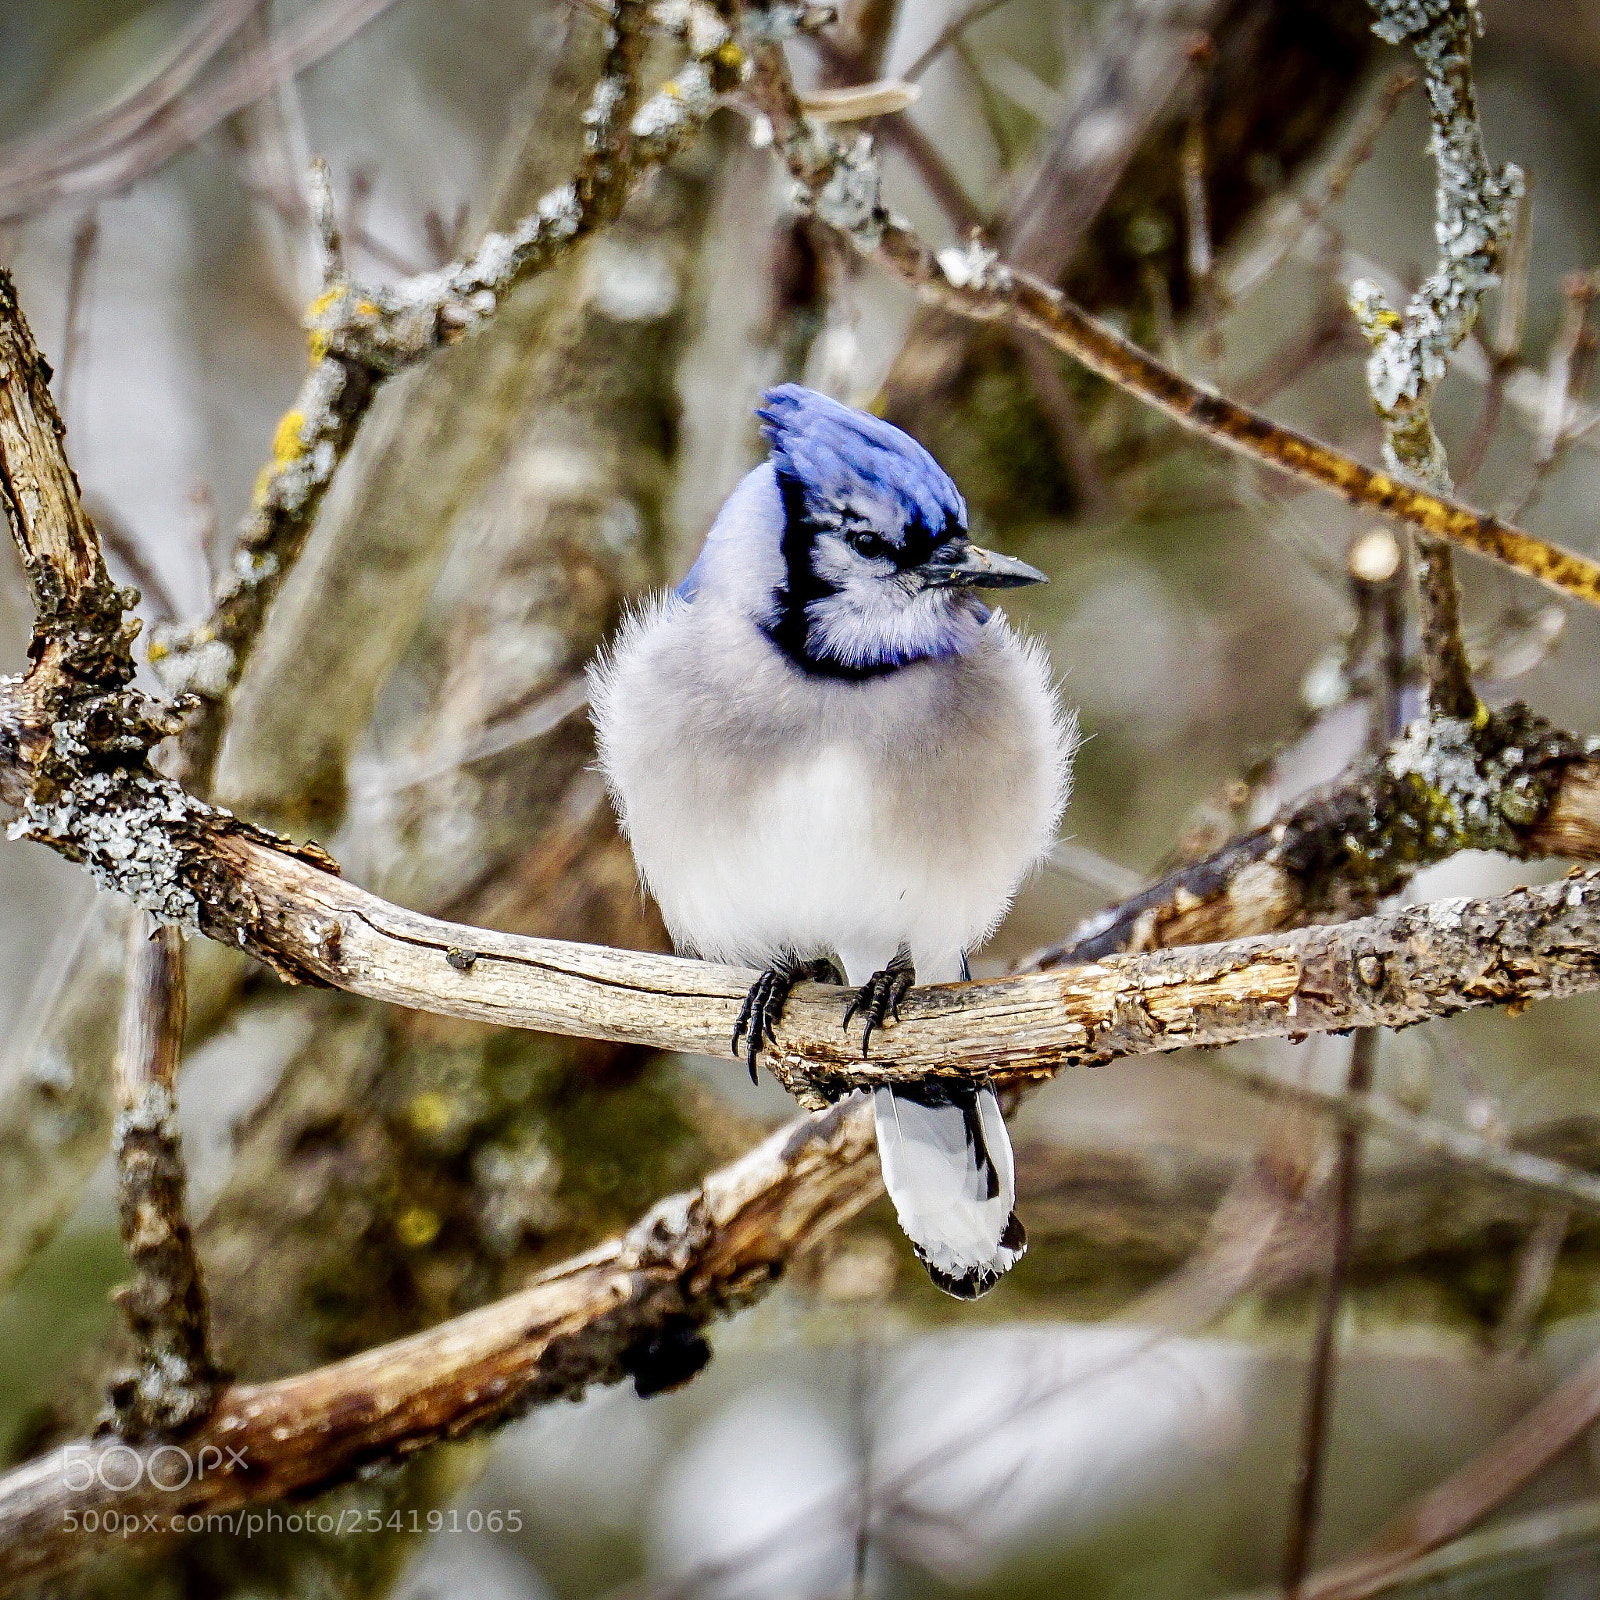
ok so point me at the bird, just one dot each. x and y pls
(833, 761)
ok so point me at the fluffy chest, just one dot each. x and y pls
(767, 813)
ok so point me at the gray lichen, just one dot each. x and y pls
(847, 197)
(1474, 210)
(121, 824)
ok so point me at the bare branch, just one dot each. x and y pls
(632, 1307)
(1514, 785)
(361, 335)
(1302, 212)
(174, 1384)
(843, 190)
(1464, 1500)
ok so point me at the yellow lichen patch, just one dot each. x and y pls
(287, 444)
(417, 1226)
(317, 338)
(287, 447)
(429, 1112)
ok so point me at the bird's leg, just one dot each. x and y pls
(879, 997)
(763, 1006)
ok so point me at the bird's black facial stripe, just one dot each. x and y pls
(790, 630)
(791, 627)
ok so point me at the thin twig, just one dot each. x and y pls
(85, 238)
(1505, 350)
(174, 1383)
(1536, 1266)
(1566, 376)
(1376, 577)
(1311, 1462)
(1198, 255)
(948, 35)
(100, 157)
(1301, 212)
(1457, 1505)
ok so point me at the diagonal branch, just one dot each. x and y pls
(842, 187)
(360, 336)
(1513, 784)
(630, 1308)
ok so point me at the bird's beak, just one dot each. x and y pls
(975, 568)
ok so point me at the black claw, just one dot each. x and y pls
(763, 1005)
(879, 997)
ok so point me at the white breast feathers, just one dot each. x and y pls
(775, 812)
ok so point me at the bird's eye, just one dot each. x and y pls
(867, 544)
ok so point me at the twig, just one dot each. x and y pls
(1510, 1548)
(1464, 1500)
(843, 190)
(1566, 375)
(1536, 1265)
(1474, 208)
(1376, 575)
(102, 155)
(174, 1383)
(948, 35)
(1505, 350)
(1198, 254)
(1301, 212)
(123, 546)
(1311, 1461)
(85, 237)
(1375, 1112)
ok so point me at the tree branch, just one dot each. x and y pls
(1475, 208)
(1514, 785)
(843, 188)
(174, 1383)
(360, 336)
(630, 1308)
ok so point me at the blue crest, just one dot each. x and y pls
(840, 456)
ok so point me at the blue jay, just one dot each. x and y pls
(833, 761)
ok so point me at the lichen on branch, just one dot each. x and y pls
(360, 335)
(1475, 210)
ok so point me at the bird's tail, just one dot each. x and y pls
(947, 1165)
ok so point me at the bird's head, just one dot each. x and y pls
(849, 548)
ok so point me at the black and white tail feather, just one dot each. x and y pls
(947, 1164)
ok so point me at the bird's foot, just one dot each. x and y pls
(763, 1006)
(878, 999)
